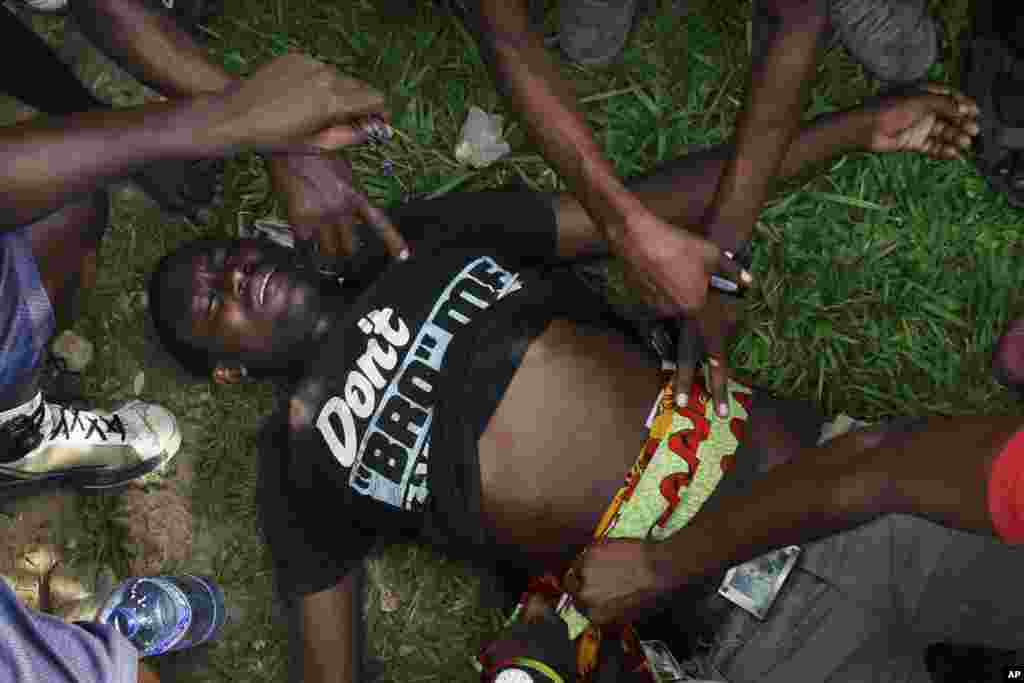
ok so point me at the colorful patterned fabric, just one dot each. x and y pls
(686, 454)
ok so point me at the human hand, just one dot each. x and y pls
(538, 634)
(671, 266)
(715, 325)
(325, 203)
(294, 103)
(616, 581)
(940, 122)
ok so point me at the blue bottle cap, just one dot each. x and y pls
(125, 621)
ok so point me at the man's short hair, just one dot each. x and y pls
(169, 303)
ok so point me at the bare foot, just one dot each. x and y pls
(939, 122)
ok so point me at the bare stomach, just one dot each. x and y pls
(568, 428)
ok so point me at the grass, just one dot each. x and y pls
(883, 282)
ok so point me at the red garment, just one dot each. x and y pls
(1006, 491)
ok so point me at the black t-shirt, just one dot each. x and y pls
(382, 432)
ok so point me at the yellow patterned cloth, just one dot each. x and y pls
(687, 452)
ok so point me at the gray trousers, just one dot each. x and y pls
(863, 605)
(897, 41)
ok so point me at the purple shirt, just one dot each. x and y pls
(38, 647)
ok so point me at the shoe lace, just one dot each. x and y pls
(61, 384)
(68, 421)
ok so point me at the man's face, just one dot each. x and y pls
(247, 297)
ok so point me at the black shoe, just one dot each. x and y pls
(994, 76)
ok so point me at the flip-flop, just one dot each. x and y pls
(992, 73)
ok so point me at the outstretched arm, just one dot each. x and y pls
(939, 470)
(672, 264)
(764, 132)
(293, 103)
(46, 165)
(323, 198)
(940, 123)
(771, 118)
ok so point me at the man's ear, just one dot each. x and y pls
(229, 373)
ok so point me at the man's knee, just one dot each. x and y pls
(895, 40)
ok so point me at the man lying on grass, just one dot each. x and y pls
(53, 212)
(478, 397)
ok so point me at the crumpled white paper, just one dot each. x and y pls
(480, 142)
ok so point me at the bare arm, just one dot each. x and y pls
(526, 74)
(681, 190)
(770, 119)
(329, 628)
(323, 197)
(151, 46)
(43, 166)
(672, 264)
(764, 133)
(939, 471)
(293, 103)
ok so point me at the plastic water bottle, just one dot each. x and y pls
(163, 613)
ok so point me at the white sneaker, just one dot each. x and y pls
(47, 6)
(86, 449)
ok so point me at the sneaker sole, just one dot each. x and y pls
(105, 480)
(90, 480)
